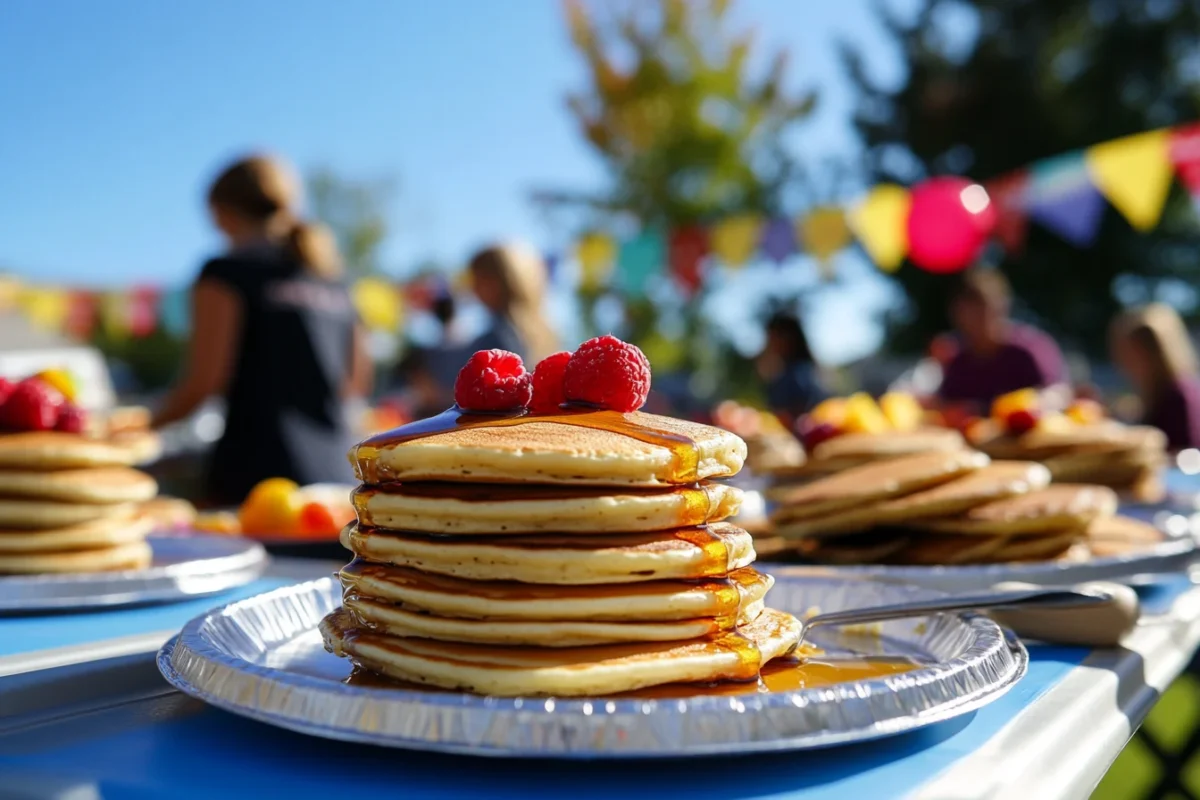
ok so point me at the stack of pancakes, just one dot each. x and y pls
(1127, 458)
(850, 450)
(549, 558)
(71, 504)
(950, 508)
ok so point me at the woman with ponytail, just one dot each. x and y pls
(273, 332)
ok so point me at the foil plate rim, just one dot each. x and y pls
(211, 660)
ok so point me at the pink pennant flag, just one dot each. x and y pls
(143, 310)
(1008, 193)
(686, 250)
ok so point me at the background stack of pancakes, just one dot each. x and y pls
(71, 504)
(546, 558)
(1127, 458)
(950, 508)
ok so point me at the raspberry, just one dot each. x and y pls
(31, 406)
(71, 419)
(548, 383)
(493, 380)
(6, 387)
(609, 373)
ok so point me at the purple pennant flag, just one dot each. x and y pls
(1062, 198)
(779, 240)
(552, 261)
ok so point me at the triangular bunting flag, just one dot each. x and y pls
(175, 311)
(735, 239)
(81, 315)
(824, 233)
(638, 260)
(1134, 173)
(1062, 197)
(686, 252)
(143, 310)
(1009, 194)
(880, 223)
(1185, 157)
(596, 253)
(779, 240)
(45, 308)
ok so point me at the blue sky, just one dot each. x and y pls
(115, 115)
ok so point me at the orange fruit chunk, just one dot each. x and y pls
(1085, 412)
(273, 506)
(863, 415)
(61, 380)
(830, 412)
(1020, 400)
(902, 410)
(322, 519)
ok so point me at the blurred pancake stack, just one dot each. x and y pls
(573, 553)
(70, 499)
(1077, 445)
(950, 509)
(71, 504)
(841, 433)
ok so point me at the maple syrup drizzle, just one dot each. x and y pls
(685, 455)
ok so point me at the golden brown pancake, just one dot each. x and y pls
(54, 450)
(626, 450)
(131, 555)
(89, 485)
(93, 535)
(874, 482)
(889, 444)
(497, 509)
(1036, 548)
(874, 547)
(393, 620)
(1058, 507)
(1116, 536)
(43, 514)
(934, 550)
(563, 672)
(564, 560)
(647, 601)
(169, 513)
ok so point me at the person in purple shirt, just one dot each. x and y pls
(996, 355)
(1152, 347)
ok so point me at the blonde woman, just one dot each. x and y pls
(274, 333)
(1152, 347)
(510, 281)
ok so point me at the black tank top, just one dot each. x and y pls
(285, 417)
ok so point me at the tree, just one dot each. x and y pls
(686, 134)
(356, 212)
(996, 84)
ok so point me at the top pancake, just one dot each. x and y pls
(45, 450)
(890, 443)
(91, 485)
(879, 480)
(626, 450)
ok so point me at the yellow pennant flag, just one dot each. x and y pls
(114, 315)
(1134, 173)
(378, 303)
(596, 253)
(880, 222)
(10, 292)
(823, 233)
(45, 308)
(734, 239)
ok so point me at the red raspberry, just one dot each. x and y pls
(609, 373)
(6, 387)
(31, 406)
(493, 380)
(71, 419)
(814, 433)
(548, 375)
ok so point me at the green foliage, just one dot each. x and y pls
(356, 212)
(1039, 78)
(154, 359)
(686, 133)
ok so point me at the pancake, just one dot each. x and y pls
(54, 450)
(142, 447)
(1035, 548)
(393, 620)
(41, 514)
(934, 550)
(1058, 507)
(888, 444)
(94, 485)
(633, 449)
(686, 554)
(651, 601)
(169, 513)
(996, 481)
(84, 536)
(1117, 536)
(131, 555)
(875, 547)
(874, 482)
(564, 672)
(504, 510)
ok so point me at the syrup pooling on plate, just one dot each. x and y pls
(685, 455)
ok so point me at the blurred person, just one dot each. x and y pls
(427, 373)
(510, 281)
(275, 333)
(995, 355)
(792, 376)
(1151, 346)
